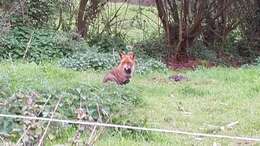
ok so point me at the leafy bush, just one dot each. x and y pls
(153, 47)
(150, 65)
(33, 90)
(107, 42)
(200, 51)
(248, 50)
(91, 59)
(36, 13)
(44, 44)
(258, 61)
(255, 63)
(95, 101)
(39, 11)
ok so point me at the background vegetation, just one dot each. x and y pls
(56, 52)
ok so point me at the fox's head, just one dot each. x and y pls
(127, 62)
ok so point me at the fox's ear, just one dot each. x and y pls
(121, 54)
(132, 55)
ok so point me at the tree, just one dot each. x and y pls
(88, 11)
(186, 20)
(66, 8)
(249, 14)
(181, 27)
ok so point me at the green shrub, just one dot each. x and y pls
(256, 62)
(200, 51)
(33, 90)
(91, 59)
(35, 13)
(39, 11)
(98, 103)
(153, 47)
(248, 50)
(45, 44)
(150, 65)
(107, 42)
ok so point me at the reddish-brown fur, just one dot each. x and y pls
(124, 71)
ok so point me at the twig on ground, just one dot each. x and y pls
(47, 127)
(100, 132)
(91, 135)
(80, 116)
(28, 46)
(76, 137)
(95, 134)
(232, 124)
(2, 139)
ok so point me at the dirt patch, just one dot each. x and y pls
(189, 63)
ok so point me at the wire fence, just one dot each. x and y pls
(97, 127)
(131, 127)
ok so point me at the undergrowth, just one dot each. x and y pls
(91, 59)
(33, 98)
(36, 44)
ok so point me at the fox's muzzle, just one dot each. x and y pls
(128, 70)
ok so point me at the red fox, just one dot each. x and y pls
(124, 71)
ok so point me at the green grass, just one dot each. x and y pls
(207, 102)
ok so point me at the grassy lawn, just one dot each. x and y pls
(209, 101)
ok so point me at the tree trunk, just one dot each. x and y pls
(60, 19)
(88, 11)
(257, 20)
(81, 22)
(179, 33)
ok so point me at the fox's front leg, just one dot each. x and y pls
(109, 77)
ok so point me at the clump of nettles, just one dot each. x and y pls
(91, 59)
